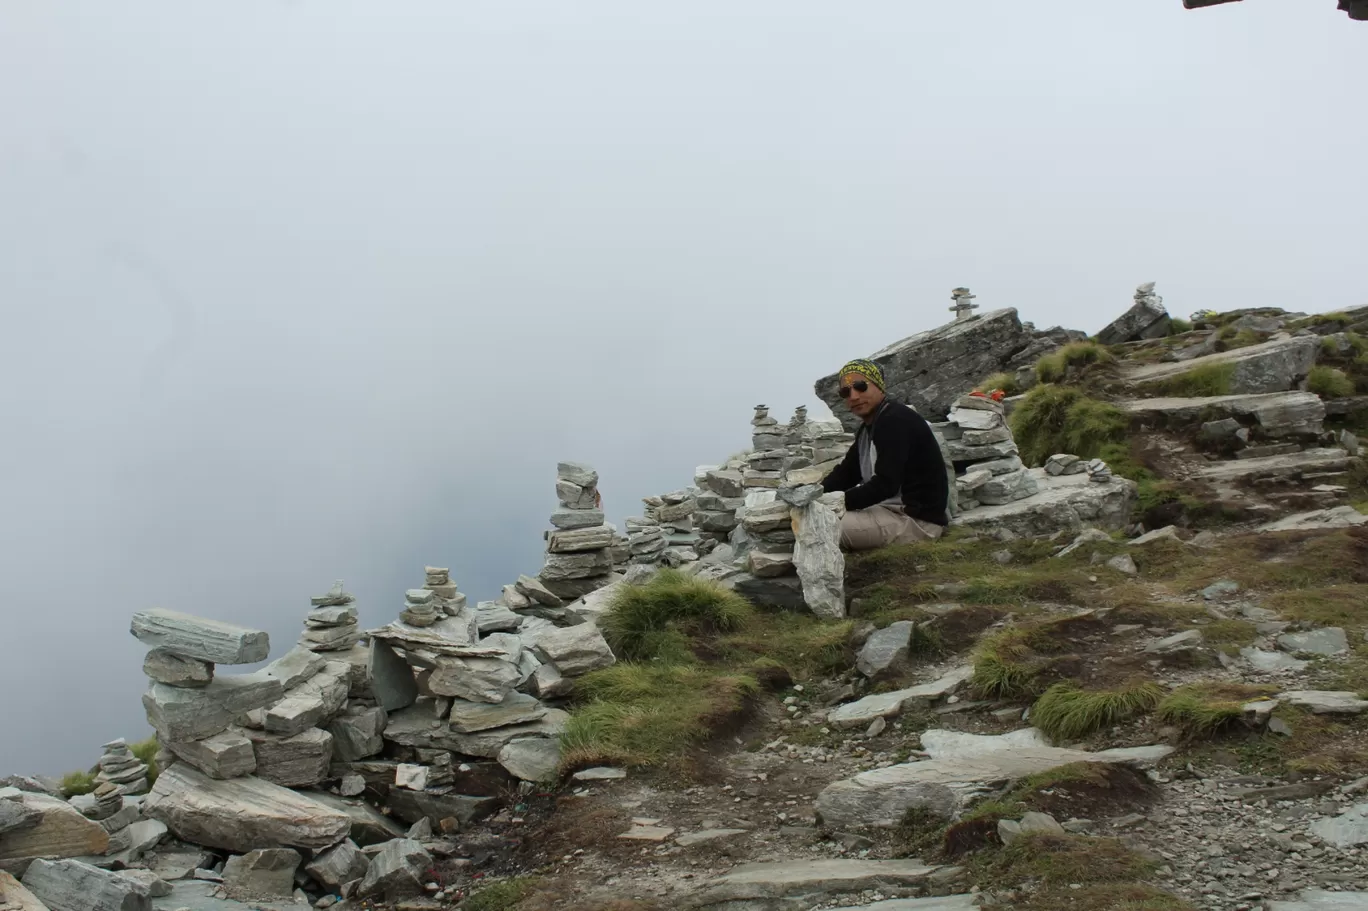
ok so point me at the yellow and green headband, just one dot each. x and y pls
(867, 369)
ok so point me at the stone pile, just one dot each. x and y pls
(332, 625)
(765, 463)
(579, 552)
(120, 768)
(983, 454)
(646, 540)
(673, 515)
(437, 579)
(1146, 319)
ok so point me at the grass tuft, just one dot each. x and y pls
(1053, 419)
(502, 896)
(1056, 367)
(647, 714)
(146, 751)
(1199, 382)
(1203, 709)
(1329, 382)
(1007, 382)
(74, 784)
(1177, 326)
(1067, 713)
(1065, 860)
(661, 618)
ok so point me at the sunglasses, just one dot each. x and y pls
(858, 386)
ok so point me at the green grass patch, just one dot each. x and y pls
(1278, 562)
(1338, 319)
(74, 784)
(663, 617)
(1199, 382)
(807, 647)
(648, 714)
(1331, 605)
(1020, 661)
(1329, 382)
(1177, 325)
(1066, 713)
(1063, 860)
(1064, 363)
(1125, 896)
(1053, 419)
(501, 896)
(1229, 633)
(1007, 382)
(1204, 709)
(146, 751)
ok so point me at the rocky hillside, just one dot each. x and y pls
(1133, 675)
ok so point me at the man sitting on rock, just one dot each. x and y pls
(893, 476)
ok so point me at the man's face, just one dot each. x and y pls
(860, 395)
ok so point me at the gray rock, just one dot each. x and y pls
(358, 733)
(295, 667)
(885, 651)
(573, 496)
(412, 806)
(175, 670)
(227, 754)
(887, 705)
(493, 617)
(15, 814)
(60, 831)
(339, 864)
(196, 637)
(397, 872)
(1320, 519)
(806, 882)
(69, 885)
(547, 682)
(240, 814)
(336, 615)
(1176, 643)
(1330, 640)
(931, 370)
(330, 638)
(799, 497)
(391, 677)
(1220, 591)
(1040, 824)
(559, 567)
(1318, 900)
(1276, 415)
(1274, 366)
(265, 873)
(568, 519)
(368, 825)
(475, 679)
(1123, 563)
(468, 717)
(600, 774)
(575, 650)
(143, 837)
(294, 714)
(1347, 830)
(577, 473)
(538, 592)
(1271, 662)
(1146, 318)
(532, 759)
(179, 714)
(1068, 503)
(818, 559)
(296, 761)
(579, 540)
(156, 886)
(1323, 702)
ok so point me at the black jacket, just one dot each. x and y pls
(907, 461)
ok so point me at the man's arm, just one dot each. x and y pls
(846, 474)
(892, 438)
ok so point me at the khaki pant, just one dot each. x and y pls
(882, 525)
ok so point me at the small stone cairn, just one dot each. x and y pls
(332, 625)
(673, 515)
(765, 464)
(579, 556)
(124, 771)
(980, 444)
(646, 540)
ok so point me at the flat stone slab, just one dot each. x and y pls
(181, 715)
(241, 814)
(1347, 830)
(1326, 702)
(937, 903)
(1319, 519)
(600, 773)
(880, 797)
(196, 637)
(196, 895)
(943, 744)
(1062, 503)
(1318, 900)
(517, 708)
(1277, 412)
(1328, 641)
(811, 879)
(702, 836)
(532, 758)
(888, 705)
(69, 885)
(1271, 662)
(1273, 366)
(1283, 467)
(59, 831)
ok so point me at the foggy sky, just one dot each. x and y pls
(299, 291)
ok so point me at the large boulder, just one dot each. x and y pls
(241, 814)
(931, 369)
(397, 872)
(1279, 365)
(195, 637)
(1146, 318)
(265, 873)
(59, 830)
(70, 885)
(1066, 503)
(1274, 415)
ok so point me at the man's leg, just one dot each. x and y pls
(918, 530)
(872, 528)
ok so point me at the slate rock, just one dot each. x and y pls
(547, 682)
(391, 677)
(1329, 640)
(199, 638)
(368, 825)
(468, 717)
(412, 806)
(539, 593)
(240, 814)
(358, 734)
(805, 883)
(532, 759)
(1271, 662)
(1323, 702)
(15, 814)
(886, 650)
(59, 831)
(180, 715)
(265, 873)
(340, 864)
(397, 872)
(887, 705)
(474, 679)
(575, 650)
(1347, 830)
(295, 667)
(819, 561)
(70, 885)
(296, 761)
(167, 667)
(227, 754)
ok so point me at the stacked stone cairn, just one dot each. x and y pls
(121, 769)
(332, 624)
(765, 464)
(580, 551)
(984, 454)
(673, 515)
(646, 540)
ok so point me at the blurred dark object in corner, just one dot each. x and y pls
(1357, 9)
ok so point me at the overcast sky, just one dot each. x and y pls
(298, 291)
